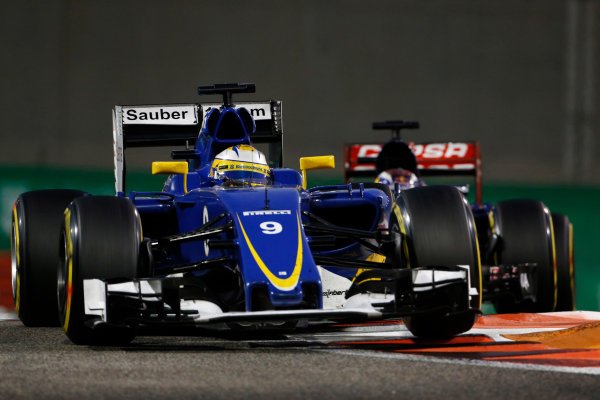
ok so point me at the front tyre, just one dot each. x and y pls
(100, 239)
(439, 229)
(35, 232)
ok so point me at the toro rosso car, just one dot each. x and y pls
(526, 251)
(234, 240)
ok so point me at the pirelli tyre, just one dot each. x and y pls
(100, 239)
(565, 262)
(438, 229)
(525, 233)
(35, 227)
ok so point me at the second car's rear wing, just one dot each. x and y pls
(180, 124)
(434, 159)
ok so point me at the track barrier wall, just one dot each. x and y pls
(580, 203)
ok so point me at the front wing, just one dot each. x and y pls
(156, 302)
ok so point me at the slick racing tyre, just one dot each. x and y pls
(35, 231)
(524, 229)
(565, 262)
(438, 230)
(100, 239)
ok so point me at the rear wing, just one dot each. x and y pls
(434, 159)
(179, 125)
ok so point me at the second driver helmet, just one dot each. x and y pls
(400, 178)
(241, 165)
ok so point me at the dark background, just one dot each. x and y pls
(522, 77)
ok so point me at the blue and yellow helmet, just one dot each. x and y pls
(241, 164)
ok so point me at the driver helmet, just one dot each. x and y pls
(403, 178)
(241, 165)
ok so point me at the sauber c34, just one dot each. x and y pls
(235, 241)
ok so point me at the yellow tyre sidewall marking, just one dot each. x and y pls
(480, 283)
(554, 267)
(571, 265)
(398, 213)
(69, 284)
(18, 256)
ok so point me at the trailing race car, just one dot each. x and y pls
(526, 252)
(234, 240)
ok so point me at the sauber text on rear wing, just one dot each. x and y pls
(434, 159)
(180, 124)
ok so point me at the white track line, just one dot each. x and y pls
(6, 314)
(463, 361)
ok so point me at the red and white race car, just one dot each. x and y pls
(527, 257)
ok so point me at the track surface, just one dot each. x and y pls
(42, 363)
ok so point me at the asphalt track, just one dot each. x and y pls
(364, 361)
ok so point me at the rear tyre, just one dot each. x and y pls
(100, 239)
(565, 262)
(438, 227)
(524, 228)
(35, 232)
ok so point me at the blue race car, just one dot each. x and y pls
(237, 241)
(526, 251)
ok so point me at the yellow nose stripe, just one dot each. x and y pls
(283, 284)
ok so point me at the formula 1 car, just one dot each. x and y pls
(233, 241)
(526, 252)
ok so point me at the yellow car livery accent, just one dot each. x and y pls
(17, 247)
(172, 167)
(282, 284)
(375, 257)
(359, 282)
(69, 287)
(317, 162)
(241, 166)
(360, 271)
(245, 147)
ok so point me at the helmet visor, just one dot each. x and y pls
(242, 173)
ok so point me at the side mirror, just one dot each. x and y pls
(171, 167)
(318, 162)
